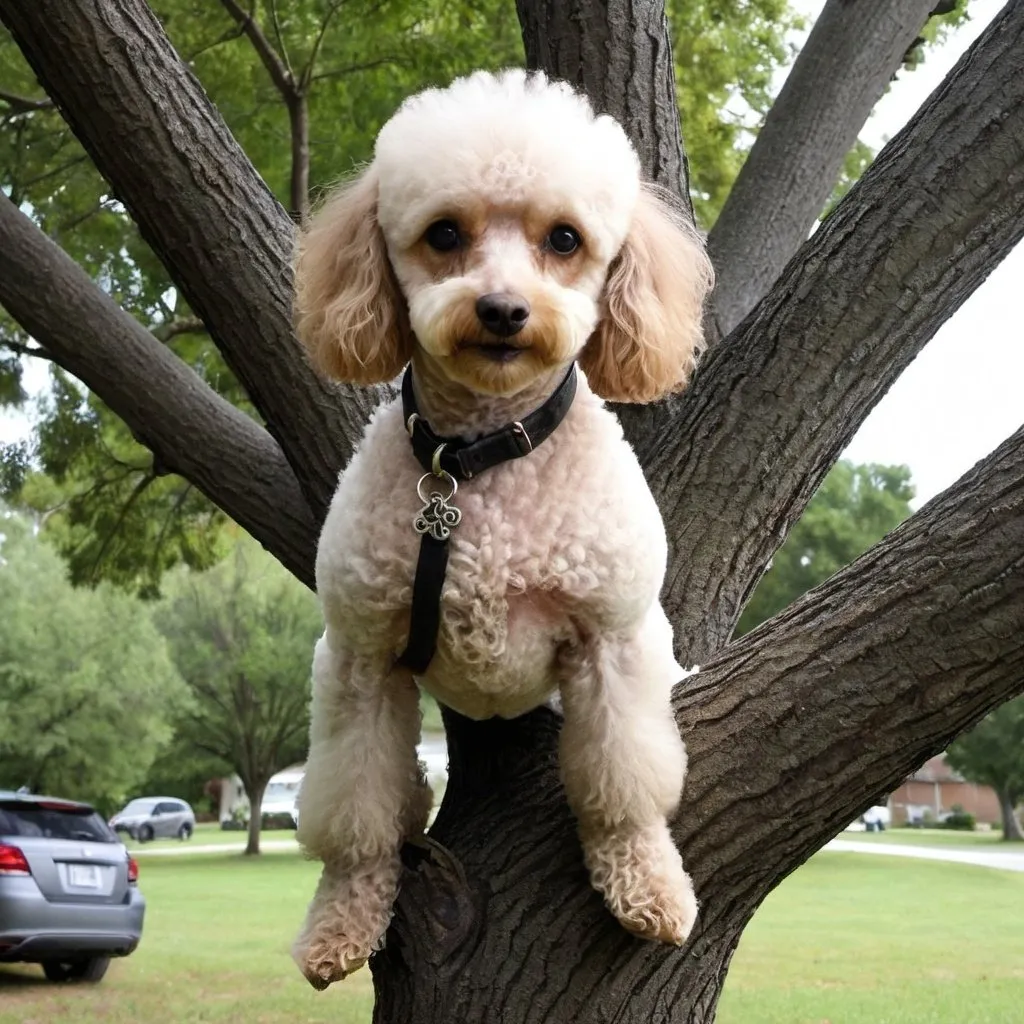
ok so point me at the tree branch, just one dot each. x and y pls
(23, 104)
(137, 491)
(351, 69)
(173, 328)
(771, 409)
(34, 351)
(307, 75)
(114, 74)
(188, 427)
(225, 37)
(841, 73)
(842, 695)
(620, 53)
(279, 73)
(279, 36)
(292, 92)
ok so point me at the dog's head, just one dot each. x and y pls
(503, 228)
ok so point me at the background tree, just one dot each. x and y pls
(87, 690)
(992, 753)
(834, 700)
(240, 634)
(855, 507)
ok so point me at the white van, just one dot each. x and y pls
(282, 794)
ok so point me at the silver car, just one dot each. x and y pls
(69, 897)
(155, 817)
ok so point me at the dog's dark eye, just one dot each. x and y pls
(443, 235)
(564, 239)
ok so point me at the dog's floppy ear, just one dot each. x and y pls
(349, 312)
(650, 335)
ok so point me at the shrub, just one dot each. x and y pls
(959, 820)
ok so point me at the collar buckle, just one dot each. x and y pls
(522, 438)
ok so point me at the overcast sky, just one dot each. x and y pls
(964, 394)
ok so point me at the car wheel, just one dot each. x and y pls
(88, 968)
(185, 832)
(145, 833)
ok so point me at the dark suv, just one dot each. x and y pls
(69, 897)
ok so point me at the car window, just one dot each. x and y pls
(139, 807)
(53, 821)
(279, 790)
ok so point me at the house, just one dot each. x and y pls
(935, 789)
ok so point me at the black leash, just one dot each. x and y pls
(453, 460)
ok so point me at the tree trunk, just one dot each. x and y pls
(254, 792)
(1012, 830)
(619, 53)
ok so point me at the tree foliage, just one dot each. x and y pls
(241, 635)
(992, 753)
(856, 506)
(87, 688)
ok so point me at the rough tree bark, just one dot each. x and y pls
(793, 730)
(620, 54)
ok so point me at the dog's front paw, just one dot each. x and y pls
(346, 921)
(640, 874)
(324, 959)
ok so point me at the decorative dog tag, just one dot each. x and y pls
(437, 517)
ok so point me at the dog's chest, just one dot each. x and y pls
(547, 545)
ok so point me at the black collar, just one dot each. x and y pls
(465, 459)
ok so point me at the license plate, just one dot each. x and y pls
(84, 876)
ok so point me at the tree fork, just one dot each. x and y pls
(792, 732)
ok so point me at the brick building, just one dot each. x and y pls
(935, 788)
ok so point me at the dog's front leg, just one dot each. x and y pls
(623, 764)
(363, 794)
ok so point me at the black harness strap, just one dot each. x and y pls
(455, 460)
(426, 604)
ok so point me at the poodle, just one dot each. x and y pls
(502, 249)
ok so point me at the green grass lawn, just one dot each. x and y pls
(853, 939)
(847, 939)
(215, 948)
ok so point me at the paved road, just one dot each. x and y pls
(1004, 860)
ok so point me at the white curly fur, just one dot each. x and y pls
(553, 578)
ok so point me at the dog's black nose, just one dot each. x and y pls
(503, 313)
